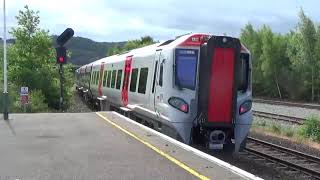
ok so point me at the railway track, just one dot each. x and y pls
(290, 161)
(291, 119)
(286, 103)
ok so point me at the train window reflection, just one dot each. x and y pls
(143, 80)
(243, 72)
(119, 77)
(133, 83)
(113, 82)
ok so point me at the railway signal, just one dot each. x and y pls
(62, 57)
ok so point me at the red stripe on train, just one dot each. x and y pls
(221, 86)
(127, 71)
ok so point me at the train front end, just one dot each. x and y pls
(224, 115)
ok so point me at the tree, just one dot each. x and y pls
(32, 59)
(132, 44)
(308, 34)
(252, 40)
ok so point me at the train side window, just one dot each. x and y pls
(133, 82)
(92, 76)
(161, 75)
(104, 79)
(154, 76)
(109, 79)
(119, 77)
(113, 81)
(97, 77)
(143, 80)
(243, 72)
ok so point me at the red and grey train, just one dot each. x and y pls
(195, 88)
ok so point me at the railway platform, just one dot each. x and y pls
(104, 145)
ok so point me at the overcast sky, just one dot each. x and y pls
(117, 20)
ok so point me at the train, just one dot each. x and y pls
(196, 88)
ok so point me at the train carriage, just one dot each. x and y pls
(196, 88)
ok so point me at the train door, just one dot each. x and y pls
(100, 79)
(159, 86)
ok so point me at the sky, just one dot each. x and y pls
(120, 20)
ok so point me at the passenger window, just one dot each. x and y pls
(119, 77)
(109, 79)
(161, 75)
(95, 77)
(243, 72)
(113, 82)
(133, 83)
(143, 80)
(104, 79)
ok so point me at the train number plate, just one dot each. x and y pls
(215, 146)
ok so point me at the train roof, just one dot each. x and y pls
(190, 39)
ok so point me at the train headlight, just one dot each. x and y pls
(245, 107)
(179, 104)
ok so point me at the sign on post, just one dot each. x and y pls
(24, 95)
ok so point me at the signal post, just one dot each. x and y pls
(62, 59)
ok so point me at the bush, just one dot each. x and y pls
(276, 128)
(311, 128)
(37, 102)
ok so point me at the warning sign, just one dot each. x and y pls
(24, 91)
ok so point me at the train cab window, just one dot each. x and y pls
(143, 80)
(109, 79)
(113, 81)
(243, 72)
(104, 79)
(133, 83)
(119, 77)
(186, 68)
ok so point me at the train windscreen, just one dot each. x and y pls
(186, 68)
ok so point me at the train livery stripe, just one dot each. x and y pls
(162, 153)
(127, 70)
(221, 85)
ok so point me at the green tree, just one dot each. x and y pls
(308, 34)
(252, 40)
(132, 44)
(32, 59)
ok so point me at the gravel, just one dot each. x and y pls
(287, 143)
(285, 110)
(78, 105)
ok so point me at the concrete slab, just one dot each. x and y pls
(204, 164)
(77, 146)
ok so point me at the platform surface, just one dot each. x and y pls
(88, 146)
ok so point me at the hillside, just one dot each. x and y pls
(83, 50)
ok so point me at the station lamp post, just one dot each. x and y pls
(5, 80)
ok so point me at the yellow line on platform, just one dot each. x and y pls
(172, 159)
